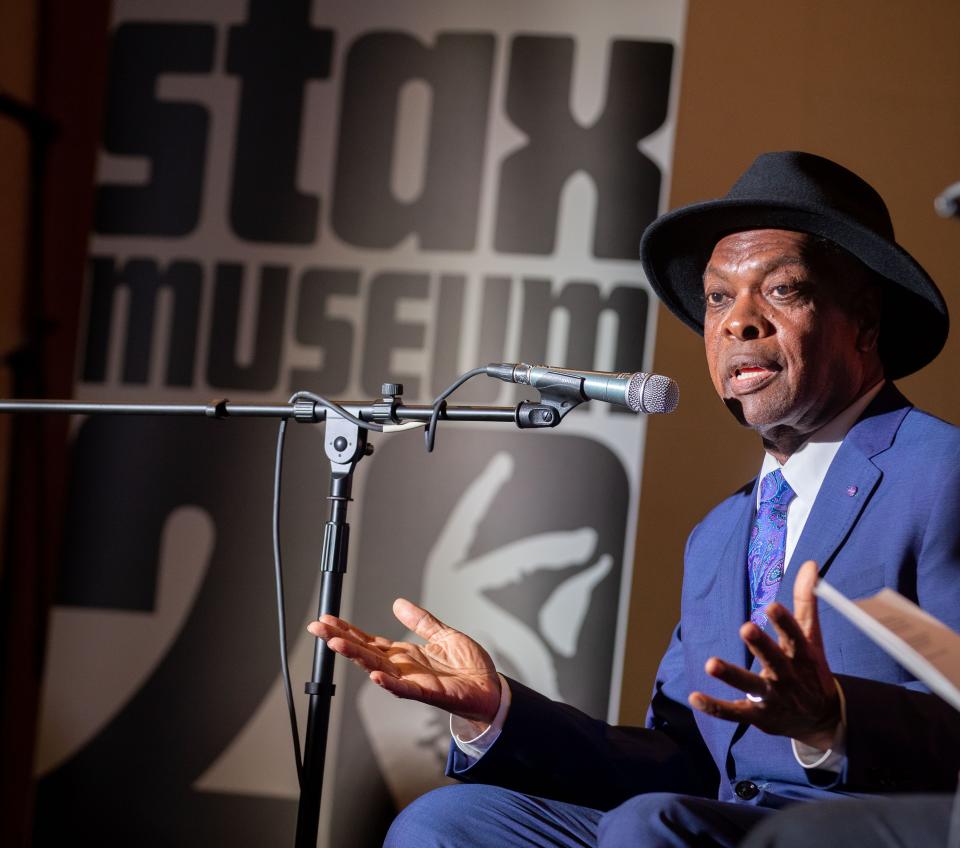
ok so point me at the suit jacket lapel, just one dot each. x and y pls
(734, 609)
(733, 582)
(848, 486)
(843, 495)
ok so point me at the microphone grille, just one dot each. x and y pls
(652, 394)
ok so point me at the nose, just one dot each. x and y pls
(745, 319)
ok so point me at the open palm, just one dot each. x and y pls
(450, 671)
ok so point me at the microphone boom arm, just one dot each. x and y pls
(347, 423)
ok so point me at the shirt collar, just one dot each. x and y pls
(805, 469)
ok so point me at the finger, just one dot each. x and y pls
(793, 640)
(804, 601)
(351, 630)
(765, 649)
(735, 676)
(323, 630)
(346, 626)
(737, 711)
(417, 619)
(366, 658)
(397, 686)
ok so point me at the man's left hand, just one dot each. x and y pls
(794, 695)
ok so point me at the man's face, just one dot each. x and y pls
(782, 350)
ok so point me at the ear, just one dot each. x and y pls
(869, 310)
(868, 336)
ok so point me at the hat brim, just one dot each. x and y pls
(676, 247)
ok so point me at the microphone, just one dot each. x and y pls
(648, 393)
(947, 203)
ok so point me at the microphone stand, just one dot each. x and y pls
(345, 443)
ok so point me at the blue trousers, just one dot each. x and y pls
(902, 821)
(480, 816)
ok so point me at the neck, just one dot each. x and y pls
(782, 441)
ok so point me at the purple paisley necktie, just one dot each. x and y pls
(768, 542)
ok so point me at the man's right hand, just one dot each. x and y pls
(450, 671)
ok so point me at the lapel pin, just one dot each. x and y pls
(851, 490)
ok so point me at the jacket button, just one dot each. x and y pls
(746, 790)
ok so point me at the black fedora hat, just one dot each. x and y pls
(807, 193)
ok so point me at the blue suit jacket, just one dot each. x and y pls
(887, 514)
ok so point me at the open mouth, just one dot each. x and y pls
(750, 371)
(751, 376)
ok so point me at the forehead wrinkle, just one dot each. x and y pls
(766, 268)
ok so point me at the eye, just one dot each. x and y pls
(715, 298)
(783, 289)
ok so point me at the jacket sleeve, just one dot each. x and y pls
(553, 750)
(899, 739)
(902, 738)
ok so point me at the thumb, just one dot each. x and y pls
(417, 619)
(805, 602)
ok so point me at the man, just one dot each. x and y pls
(808, 309)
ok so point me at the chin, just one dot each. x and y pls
(762, 414)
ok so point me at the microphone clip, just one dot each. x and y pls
(549, 411)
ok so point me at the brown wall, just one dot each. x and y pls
(874, 84)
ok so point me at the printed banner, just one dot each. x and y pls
(332, 196)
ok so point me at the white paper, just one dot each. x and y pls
(914, 638)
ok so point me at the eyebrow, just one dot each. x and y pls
(767, 268)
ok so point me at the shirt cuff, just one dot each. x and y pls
(833, 758)
(463, 734)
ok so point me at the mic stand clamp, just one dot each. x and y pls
(385, 410)
(553, 406)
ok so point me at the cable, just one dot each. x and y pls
(281, 612)
(430, 435)
(333, 407)
(278, 559)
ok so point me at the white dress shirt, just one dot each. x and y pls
(804, 470)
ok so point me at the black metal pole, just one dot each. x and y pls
(346, 445)
(226, 409)
(320, 689)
